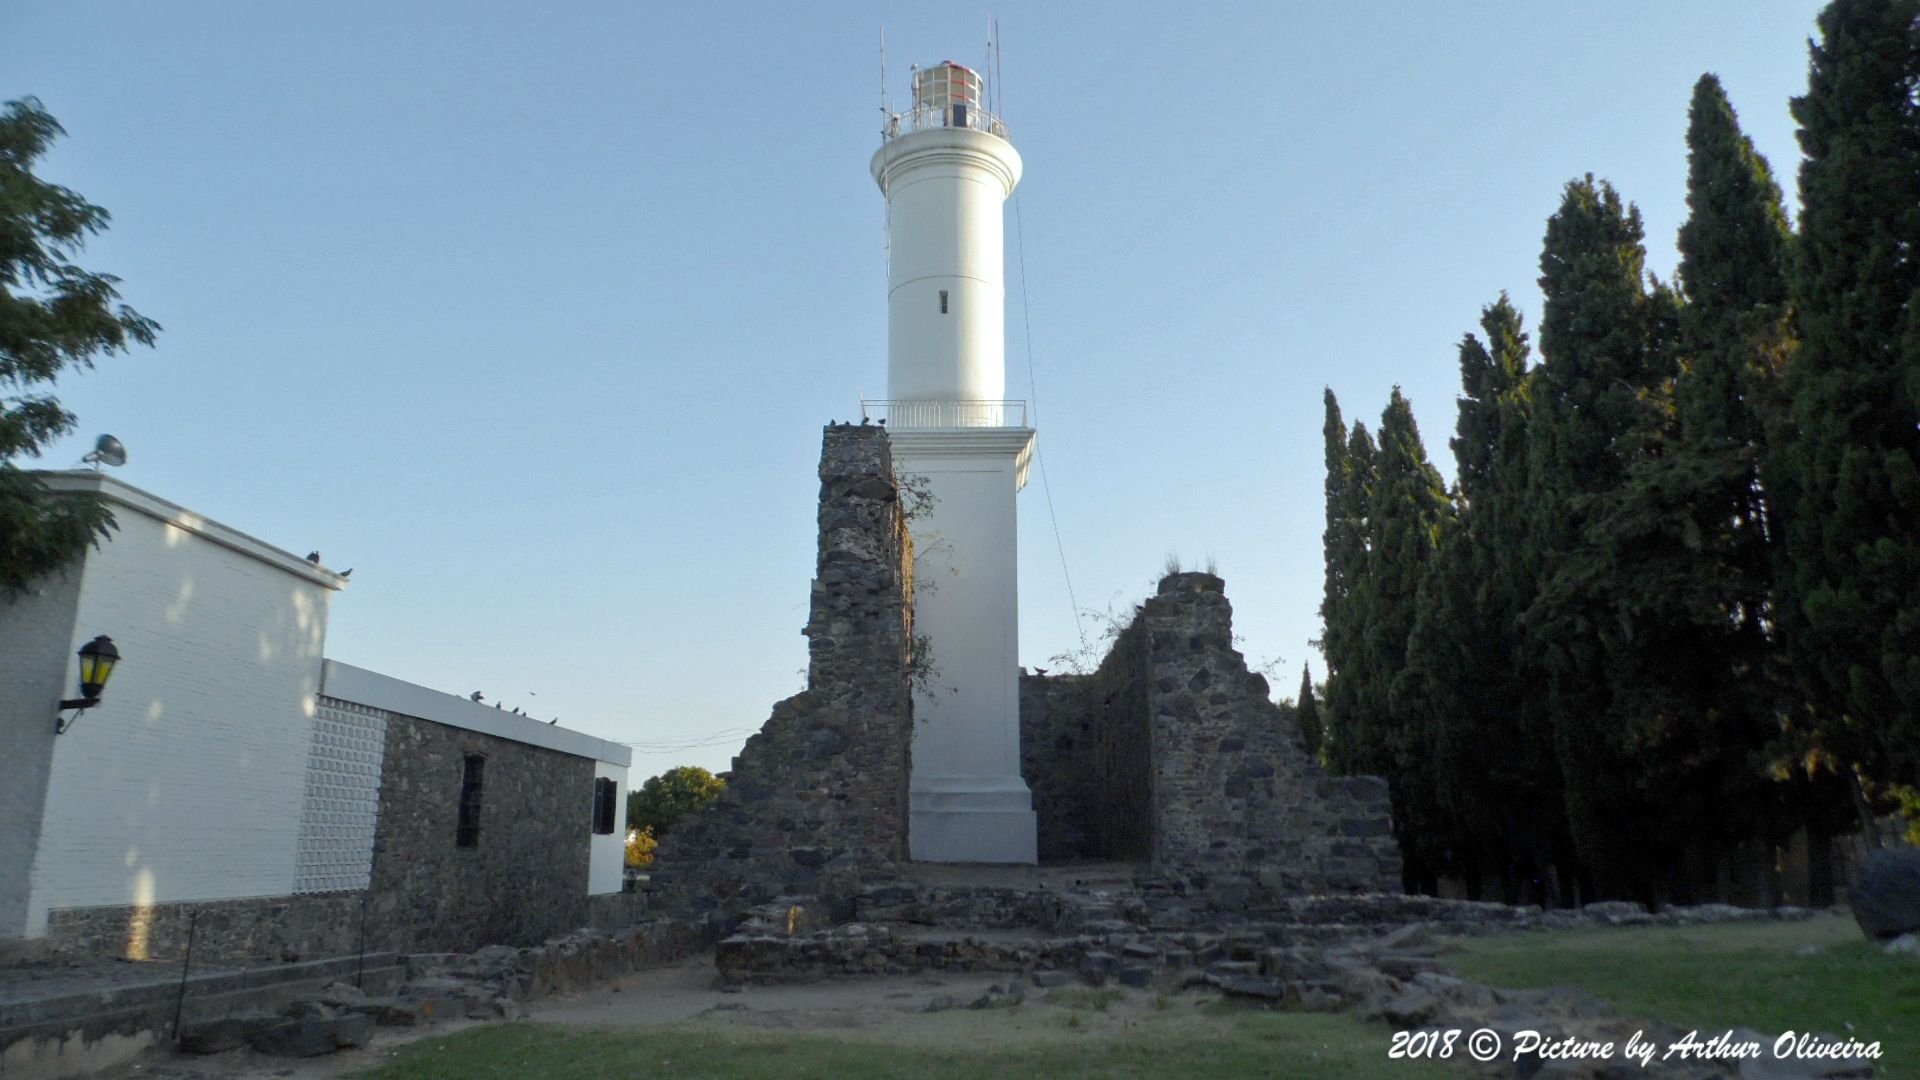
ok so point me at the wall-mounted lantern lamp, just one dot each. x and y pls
(97, 658)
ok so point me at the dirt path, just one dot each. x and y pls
(917, 1010)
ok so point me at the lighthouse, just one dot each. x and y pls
(946, 167)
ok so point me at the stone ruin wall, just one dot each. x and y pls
(816, 802)
(1085, 750)
(1173, 752)
(1170, 754)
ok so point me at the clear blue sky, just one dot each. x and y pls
(531, 314)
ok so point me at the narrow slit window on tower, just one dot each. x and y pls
(468, 833)
(943, 301)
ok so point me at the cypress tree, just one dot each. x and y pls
(1733, 274)
(1409, 518)
(1350, 464)
(1845, 469)
(1599, 400)
(1495, 776)
(1660, 600)
(1355, 743)
(1307, 714)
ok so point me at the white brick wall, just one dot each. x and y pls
(342, 798)
(35, 630)
(188, 782)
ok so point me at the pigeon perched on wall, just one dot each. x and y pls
(347, 573)
(313, 557)
(477, 696)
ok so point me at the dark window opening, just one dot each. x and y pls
(606, 798)
(943, 301)
(471, 782)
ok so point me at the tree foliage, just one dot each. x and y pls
(640, 846)
(1411, 518)
(1387, 513)
(1346, 740)
(1677, 587)
(54, 317)
(1845, 467)
(1495, 777)
(663, 800)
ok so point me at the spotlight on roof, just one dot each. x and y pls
(106, 451)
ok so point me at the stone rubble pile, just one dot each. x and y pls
(493, 983)
(1129, 935)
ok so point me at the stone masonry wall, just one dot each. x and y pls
(817, 800)
(1085, 749)
(1235, 807)
(278, 928)
(526, 878)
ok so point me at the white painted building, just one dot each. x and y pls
(208, 771)
(946, 168)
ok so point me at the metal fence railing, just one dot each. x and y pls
(956, 115)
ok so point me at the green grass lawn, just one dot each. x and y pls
(1221, 1043)
(1817, 975)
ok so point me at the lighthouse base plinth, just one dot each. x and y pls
(967, 800)
(971, 820)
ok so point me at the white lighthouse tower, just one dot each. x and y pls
(945, 168)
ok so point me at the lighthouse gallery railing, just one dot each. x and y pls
(957, 115)
(901, 415)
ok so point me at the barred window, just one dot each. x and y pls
(606, 800)
(471, 782)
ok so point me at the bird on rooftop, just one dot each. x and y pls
(477, 696)
(864, 421)
(313, 557)
(882, 422)
(1039, 671)
(553, 721)
(347, 573)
